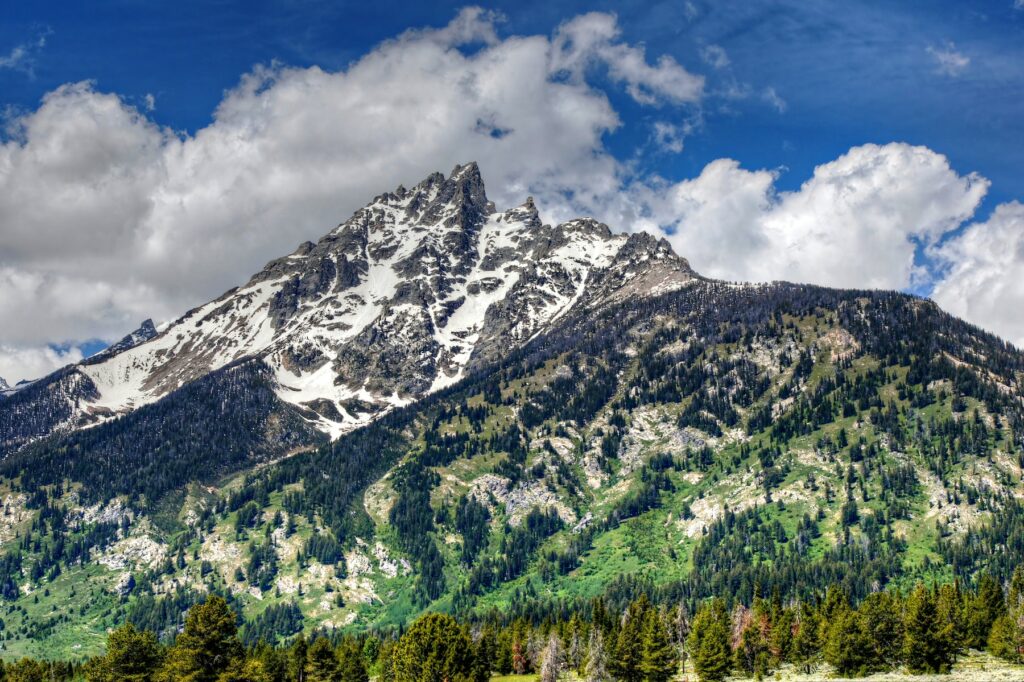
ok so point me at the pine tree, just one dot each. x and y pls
(272, 663)
(574, 639)
(928, 645)
(629, 644)
(132, 656)
(596, 668)
(553, 664)
(952, 609)
(520, 664)
(712, 658)
(1015, 598)
(386, 662)
(208, 645)
(848, 646)
(600, 616)
(880, 617)
(709, 641)
(659, 661)
(297, 658)
(435, 648)
(484, 655)
(1006, 639)
(781, 644)
(753, 655)
(987, 605)
(322, 663)
(807, 642)
(836, 602)
(352, 667)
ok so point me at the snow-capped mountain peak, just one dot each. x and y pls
(415, 289)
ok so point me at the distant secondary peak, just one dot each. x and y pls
(644, 247)
(589, 226)
(147, 328)
(432, 180)
(145, 332)
(525, 213)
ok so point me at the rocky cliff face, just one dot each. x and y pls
(412, 292)
(145, 332)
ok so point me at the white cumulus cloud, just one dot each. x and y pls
(985, 277)
(33, 362)
(108, 218)
(592, 39)
(857, 222)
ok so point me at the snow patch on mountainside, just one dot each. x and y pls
(401, 300)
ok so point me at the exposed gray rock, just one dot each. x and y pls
(124, 585)
(145, 332)
(417, 289)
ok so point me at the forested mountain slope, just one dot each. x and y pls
(701, 439)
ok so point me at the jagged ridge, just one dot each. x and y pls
(412, 292)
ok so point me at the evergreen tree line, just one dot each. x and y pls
(920, 632)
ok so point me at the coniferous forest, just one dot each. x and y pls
(923, 631)
(744, 480)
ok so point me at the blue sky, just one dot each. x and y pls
(849, 73)
(784, 88)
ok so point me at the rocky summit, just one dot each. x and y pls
(416, 290)
(443, 406)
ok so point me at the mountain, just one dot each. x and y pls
(413, 292)
(145, 332)
(4, 386)
(441, 406)
(58, 402)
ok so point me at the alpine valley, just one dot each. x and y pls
(443, 406)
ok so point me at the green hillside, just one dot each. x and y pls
(721, 440)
